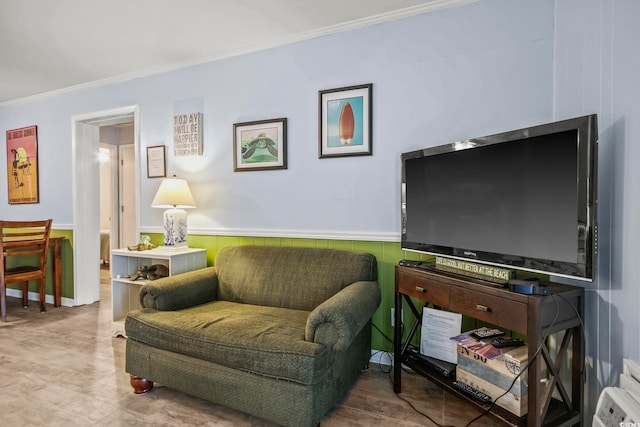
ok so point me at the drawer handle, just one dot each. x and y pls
(420, 289)
(483, 308)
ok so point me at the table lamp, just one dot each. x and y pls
(175, 196)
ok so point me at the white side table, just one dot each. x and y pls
(125, 293)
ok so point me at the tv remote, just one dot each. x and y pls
(409, 263)
(507, 342)
(472, 391)
(486, 333)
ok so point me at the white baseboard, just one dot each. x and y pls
(381, 357)
(34, 296)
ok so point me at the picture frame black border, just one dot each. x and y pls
(368, 109)
(282, 121)
(164, 161)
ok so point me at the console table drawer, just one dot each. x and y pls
(498, 311)
(417, 287)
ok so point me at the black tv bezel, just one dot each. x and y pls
(586, 222)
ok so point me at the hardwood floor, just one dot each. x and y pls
(63, 368)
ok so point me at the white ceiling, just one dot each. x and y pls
(51, 46)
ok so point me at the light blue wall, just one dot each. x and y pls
(469, 71)
(478, 69)
(473, 70)
(598, 70)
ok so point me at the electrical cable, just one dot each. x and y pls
(583, 333)
(382, 333)
(391, 357)
(522, 370)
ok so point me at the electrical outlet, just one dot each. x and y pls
(393, 316)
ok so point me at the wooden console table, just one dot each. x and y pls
(535, 316)
(125, 293)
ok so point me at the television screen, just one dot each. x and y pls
(523, 199)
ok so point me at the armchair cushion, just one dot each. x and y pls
(297, 278)
(264, 340)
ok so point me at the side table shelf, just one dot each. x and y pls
(551, 402)
(125, 293)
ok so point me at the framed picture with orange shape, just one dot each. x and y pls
(22, 165)
(344, 122)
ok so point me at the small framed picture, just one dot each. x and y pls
(156, 162)
(260, 145)
(344, 123)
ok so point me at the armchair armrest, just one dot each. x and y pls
(180, 291)
(338, 320)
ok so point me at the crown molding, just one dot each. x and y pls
(428, 7)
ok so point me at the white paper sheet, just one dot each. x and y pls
(438, 326)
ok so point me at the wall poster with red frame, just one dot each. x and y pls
(22, 165)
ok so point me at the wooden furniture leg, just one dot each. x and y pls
(57, 270)
(139, 384)
(43, 295)
(3, 303)
(25, 293)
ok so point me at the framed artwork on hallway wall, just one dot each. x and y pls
(22, 165)
(344, 122)
(156, 162)
(260, 145)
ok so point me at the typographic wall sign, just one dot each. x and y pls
(187, 134)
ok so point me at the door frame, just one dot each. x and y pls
(120, 189)
(86, 183)
(114, 208)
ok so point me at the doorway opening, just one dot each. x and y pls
(86, 196)
(117, 199)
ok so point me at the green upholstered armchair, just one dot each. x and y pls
(281, 333)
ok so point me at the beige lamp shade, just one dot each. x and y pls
(173, 193)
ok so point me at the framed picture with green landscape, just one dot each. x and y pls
(260, 145)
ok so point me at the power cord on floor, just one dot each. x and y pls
(390, 373)
(423, 414)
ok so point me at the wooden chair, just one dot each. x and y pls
(20, 239)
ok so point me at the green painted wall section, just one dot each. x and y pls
(67, 264)
(387, 253)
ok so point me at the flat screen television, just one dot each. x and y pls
(524, 199)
